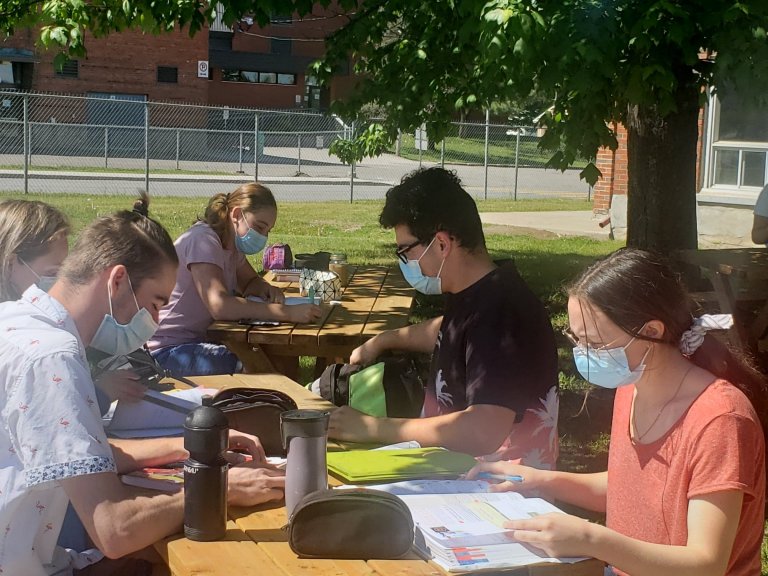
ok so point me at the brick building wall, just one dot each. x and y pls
(615, 177)
(614, 167)
(126, 63)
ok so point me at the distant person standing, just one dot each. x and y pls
(760, 221)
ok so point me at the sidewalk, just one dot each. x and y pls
(562, 223)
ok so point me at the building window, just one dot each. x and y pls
(739, 143)
(281, 46)
(280, 18)
(70, 69)
(168, 74)
(6, 73)
(229, 75)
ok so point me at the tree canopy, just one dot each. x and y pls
(645, 63)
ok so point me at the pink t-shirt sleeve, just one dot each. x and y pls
(204, 249)
(718, 463)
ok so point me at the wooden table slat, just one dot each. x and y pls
(282, 555)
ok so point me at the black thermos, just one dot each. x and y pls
(206, 437)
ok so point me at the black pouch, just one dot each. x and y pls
(351, 524)
(256, 411)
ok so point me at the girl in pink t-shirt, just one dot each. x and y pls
(685, 488)
(214, 281)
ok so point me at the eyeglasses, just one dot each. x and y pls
(402, 252)
(584, 346)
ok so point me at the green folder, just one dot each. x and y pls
(359, 466)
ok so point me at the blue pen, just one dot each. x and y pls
(500, 477)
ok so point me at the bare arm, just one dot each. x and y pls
(209, 283)
(419, 337)
(478, 430)
(712, 524)
(585, 490)
(118, 519)
(134, 454)
(250, 283)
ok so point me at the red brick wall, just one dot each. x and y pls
(613, 165)
(127, 63)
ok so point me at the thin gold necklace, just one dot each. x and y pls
(639, 437)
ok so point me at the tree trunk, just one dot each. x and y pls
(661, 201)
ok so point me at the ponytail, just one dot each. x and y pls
(248, 197)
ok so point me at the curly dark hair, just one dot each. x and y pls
(432, 200)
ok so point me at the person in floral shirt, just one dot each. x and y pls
(52, 443)
(492, 389)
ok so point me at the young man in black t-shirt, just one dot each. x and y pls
(492, 389)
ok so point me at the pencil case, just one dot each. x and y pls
(351, 524)
(256, 411)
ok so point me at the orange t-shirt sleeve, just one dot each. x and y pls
(718, 463)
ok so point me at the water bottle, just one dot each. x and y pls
(206, 437)
(305, 435)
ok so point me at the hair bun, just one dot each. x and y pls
(141, 205)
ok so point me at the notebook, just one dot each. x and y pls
(358, 466)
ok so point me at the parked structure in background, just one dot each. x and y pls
(241, 66)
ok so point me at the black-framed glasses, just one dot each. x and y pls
(402, 252)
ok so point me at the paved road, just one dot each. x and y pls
(320, 179)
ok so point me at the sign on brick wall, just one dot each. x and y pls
(202, 68)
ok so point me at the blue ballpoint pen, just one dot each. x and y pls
(500, 477)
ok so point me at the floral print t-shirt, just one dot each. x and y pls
(496, 346)
(50, 430)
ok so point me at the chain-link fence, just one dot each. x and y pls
(109, 145)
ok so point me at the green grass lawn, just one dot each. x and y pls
(546, 264)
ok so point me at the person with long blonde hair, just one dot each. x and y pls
(214, 281)
(33, 244)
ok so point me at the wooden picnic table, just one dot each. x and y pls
(739, 278)
(256, 544)
(376, 299)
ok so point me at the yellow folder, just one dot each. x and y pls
(359, 466)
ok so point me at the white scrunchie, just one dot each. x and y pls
(693, 337)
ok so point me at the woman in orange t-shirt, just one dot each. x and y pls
(685, 488)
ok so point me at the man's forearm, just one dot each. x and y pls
(419, 337)
(134, 454)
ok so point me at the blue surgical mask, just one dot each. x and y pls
(43, 282)
(607, 367)
(416, 278)
(251, 243)
(116, 339)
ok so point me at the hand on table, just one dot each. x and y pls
(272, 294)
(557, 535)
(249, 444)
(351, 425)
(533, 478)
(249, 486)
(304, 313)
(124, 385)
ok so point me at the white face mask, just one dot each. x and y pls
(43, 282)
(116, 339)
(416, 278)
